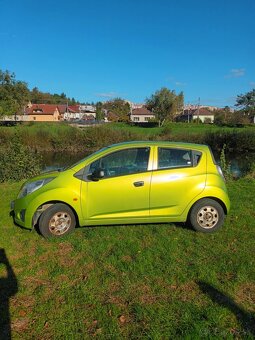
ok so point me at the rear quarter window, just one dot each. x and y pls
(177, 158)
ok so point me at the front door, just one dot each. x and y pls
(123, 192)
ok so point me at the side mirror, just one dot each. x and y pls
(97, 175)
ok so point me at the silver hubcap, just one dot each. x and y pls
(60, 223)
(207, 217)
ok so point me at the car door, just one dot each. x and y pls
(179, 177)
(123, 192)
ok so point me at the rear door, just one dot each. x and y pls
(179, 177)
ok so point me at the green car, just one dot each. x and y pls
(128, 183)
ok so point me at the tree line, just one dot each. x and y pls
(15, 95)
(164, 103)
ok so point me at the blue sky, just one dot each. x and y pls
(95, 50)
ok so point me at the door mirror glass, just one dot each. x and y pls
(97, 174)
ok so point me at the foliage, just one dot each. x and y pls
(225, 165)
(14, 94)
(208, 120)
(39, 97)
(226, 117)
(197, 121)
(99, 111)
(251, 173)
(165, 104)
(17, 162)
(237, 142)
(118, 110)
(247, 103)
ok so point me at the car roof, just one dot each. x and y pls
(160, 144)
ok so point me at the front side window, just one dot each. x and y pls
(124, 162)
(174, 158)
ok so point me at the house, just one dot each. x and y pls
(88, 112)
(203, 114)
(141, 115)
(73, 112)
(79, 112)
(62, 110)
(41, 113)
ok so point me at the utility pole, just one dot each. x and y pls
(198, 110)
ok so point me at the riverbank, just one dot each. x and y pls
(63, 137)
(57, 145)
(149, 281)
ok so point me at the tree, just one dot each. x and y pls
(38, 97)
(165, 104)
(99, 111)
(223, 116)
(14, 94)
(118, 110)
(230, 118)
(246, 102)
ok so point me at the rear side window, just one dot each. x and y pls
(177, 158)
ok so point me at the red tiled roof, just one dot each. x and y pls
(142, 112)
(46, 109)
(74, 108)
(202, 112)
(62, 108)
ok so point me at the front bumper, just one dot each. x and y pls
(20, 214)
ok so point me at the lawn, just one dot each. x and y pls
(177, 129)
(139, 281)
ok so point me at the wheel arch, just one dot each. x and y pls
(212, 198)
(40, 209)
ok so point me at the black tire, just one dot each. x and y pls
(56, 221)
(206, 215)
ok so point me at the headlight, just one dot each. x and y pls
(33, 186)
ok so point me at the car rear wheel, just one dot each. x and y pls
(56, 221)
(206, 215)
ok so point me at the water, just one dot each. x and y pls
(59, 160)
(240, 164)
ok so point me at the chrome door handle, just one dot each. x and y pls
(139, 184)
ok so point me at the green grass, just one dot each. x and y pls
(177, 128)
(149, 282)
(60, 137)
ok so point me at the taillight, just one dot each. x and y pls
(220, 171)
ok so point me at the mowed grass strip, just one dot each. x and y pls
(136, 281)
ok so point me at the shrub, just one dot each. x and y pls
(18, 162)
(251, 173)
(225, 166)
(237, 142)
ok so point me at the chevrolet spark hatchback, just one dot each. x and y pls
(128, 183)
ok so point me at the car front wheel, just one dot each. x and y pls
(57, 220)
(206, 215)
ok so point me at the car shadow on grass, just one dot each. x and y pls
(8, 288)
(179, 225)
(245, 319)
